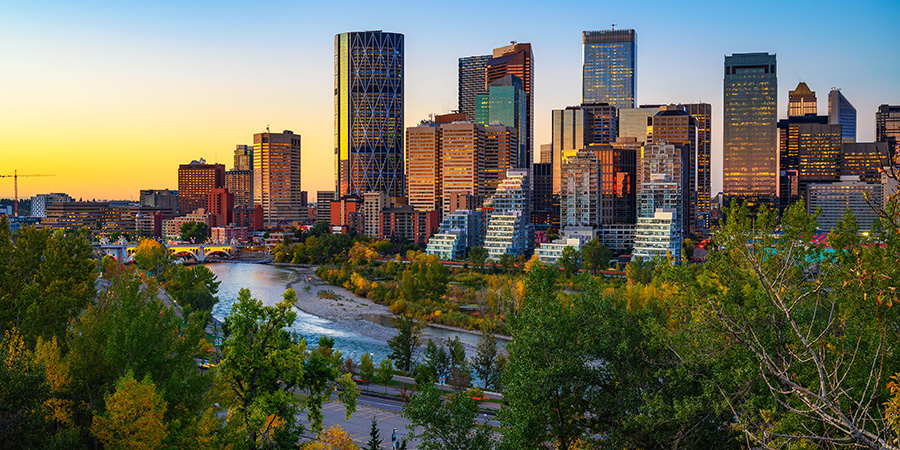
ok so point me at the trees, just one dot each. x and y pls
(404, 345)
(485, 361)
(194, 287)
(570, 261)
(447, 424)
(374, 438)
(385, 372)
(596, 255)
(334, 438)
(133, 417)
(262, 363)
(22, 394)
(366, 368)
(478, 256)
(150, 255)
(425, 277)
(195, 232)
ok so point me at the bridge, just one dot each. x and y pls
(124, 252)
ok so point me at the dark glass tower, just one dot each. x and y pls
(887, 128)
(841, 112)
(517, 59)
(368, 113)
(610, 67)
(750, 135)
(702, 112)
(472, 71)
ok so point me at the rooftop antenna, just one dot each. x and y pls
(614, 27)
(267, 128)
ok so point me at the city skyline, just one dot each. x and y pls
(180, 79)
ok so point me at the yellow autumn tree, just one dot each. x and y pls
(133, 417)
(151, 255)
(334, 438)
(48, 354)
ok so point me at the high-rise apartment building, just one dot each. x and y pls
(887, 128)
(802, 101)
(240, 183)
(509, 229)
(674, 125)
(423, 166)
(368, 115)
(841, 112)
(500, 154)
(571, 132)
(618, 186)
(809, 152)
(750, 152)
(659, 229)
(276, 176)
(580, 194)
(195, 180)
(323, 205)
(505, 104)
(517, 59)
(373, 204)
(609, 67)
(243, 157)
(837, 198)
(472, 73)
(220, 207)
(462, 161)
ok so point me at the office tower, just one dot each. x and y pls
(887, 128)
(509, 229)
(373, 203)
(368, 113)
(423, 166)
(500, 154)
(864, 160)
(472, 73)
(580, 191)
(542, 196)
(750, 153)
(546, 153)
(840, 111)
(837, 198)
(609, 67)
(674, 125)
(702, 113)
(802, 101)
(154, 198)
(635, 123)
(243, 157)
(571, 132)
(517, 59)
(604, 122)
(618, 181)
(504, 104)
(809, 152)
(323, 205)
(240, 183)
(276, 176)
(195, 180)
(220, 207)
(462, 162)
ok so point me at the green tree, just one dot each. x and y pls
(403, 346)
(446, 424)
(262, 363)
(460, 373)
(478, 257)
(570, 261)
(385, 373)
(374, 437)
(23, 392)
(596, 255)
(485, 360)
(134, 416)
(436, 361)
(152, 256)
(195, 232)
(366, 367)
(194, 287)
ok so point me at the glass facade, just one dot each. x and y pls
(505, 104)
(609, 67)
(368, 113)
(472, 71)
(750, 154)
(702, 113)
(517, 59)
(887, 128)
(809, 152)
(571, 132)
(841, 112)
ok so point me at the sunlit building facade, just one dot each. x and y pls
(802, 101)
(571, 132)
(368, 113)
(501, 144)
(462, 162)
(609, 67)
(750, 153)
(809, 152)
(276, 177)
(517, 59)
(195, 180)
(634, 122)
(505, 104)
(674, 125)
(842, 112)
(864, 159)
(423, 167)
(887, 128)
(837, 198)
(472, 73)
(702, 113)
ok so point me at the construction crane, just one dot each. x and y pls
(15, 176)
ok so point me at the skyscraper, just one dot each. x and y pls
(472, 73)
(609, 67)
(243, 157)
(368, 113)
(505, 104)
(423, 166)
(841, 112)
(702, 112)
(580, 193)
(633, 122)
(571, 132)
(802, 101)
(195, 180)
(674, 125)
(604, 122)
(276, 176)
(809, 152)
(500, 147)
(462, 162)
(887, 128)
(750, 137)
(517, 59)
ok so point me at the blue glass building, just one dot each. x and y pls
(841, 112)
(609, 67)
(505, 103)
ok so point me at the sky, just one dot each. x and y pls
(110, 97)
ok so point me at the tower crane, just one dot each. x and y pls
(15, 176)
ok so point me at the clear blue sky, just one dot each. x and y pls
(111, 96)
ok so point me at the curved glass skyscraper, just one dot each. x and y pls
(368, 113)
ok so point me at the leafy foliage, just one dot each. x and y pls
(133, 417)
(196, 232)
(446, 423)
(404, 344)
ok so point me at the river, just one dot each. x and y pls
(352, 337)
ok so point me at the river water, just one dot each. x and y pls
(352, 337)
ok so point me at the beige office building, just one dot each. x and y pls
(423, 167)
(462, 157)
(276, 176)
